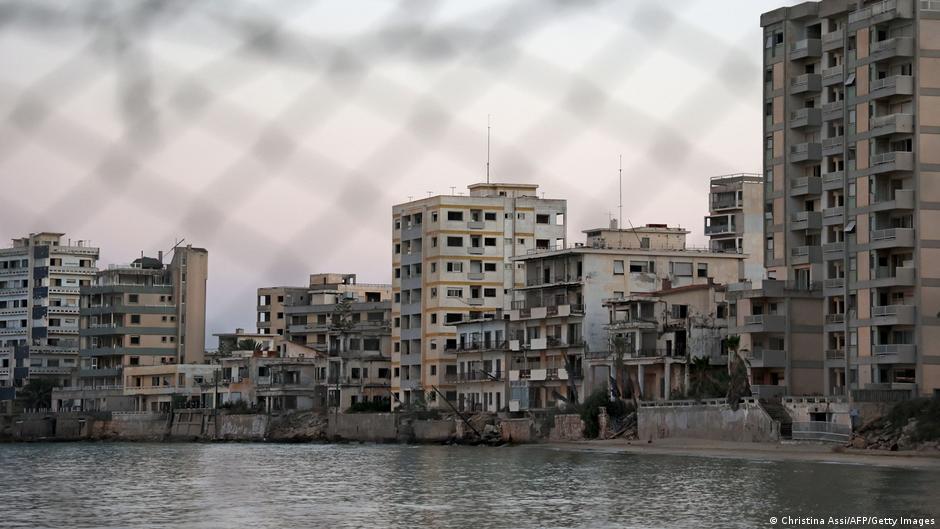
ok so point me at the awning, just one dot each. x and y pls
(850, 80)
(850, 227)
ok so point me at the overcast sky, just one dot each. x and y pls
(278, 134)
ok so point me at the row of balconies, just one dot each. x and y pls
(538, 344)
(548, 311)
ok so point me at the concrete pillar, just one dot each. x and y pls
(667, 373)
(639, 378)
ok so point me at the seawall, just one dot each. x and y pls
(710, 419)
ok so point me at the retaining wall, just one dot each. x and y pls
(372, 427)
(712, 419)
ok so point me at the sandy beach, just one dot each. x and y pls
(786, 451)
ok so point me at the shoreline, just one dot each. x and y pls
(818, 453)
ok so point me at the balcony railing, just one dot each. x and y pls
(875, 9)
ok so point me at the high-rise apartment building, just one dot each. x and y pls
(852, 161)
(40, 277)
(141, 314)
(735, 221)
(452, 260)
(271, 303)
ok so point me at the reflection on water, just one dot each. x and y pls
(288, 486)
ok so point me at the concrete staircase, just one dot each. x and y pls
(778, 413)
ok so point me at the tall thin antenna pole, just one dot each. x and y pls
(620, 207)
(620, 174)
(487, 148)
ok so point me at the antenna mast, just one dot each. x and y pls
(620, 175)
(487, 148)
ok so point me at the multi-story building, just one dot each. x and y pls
(452, 260)
(271, 303)
(349, 324)
(163, 387)
(735, 220)
(852, 137)
(40, 277)
(559, 313)
(145, 313)
(482, 363)
(655, 336)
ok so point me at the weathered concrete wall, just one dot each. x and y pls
(711, 420)
(137, 426)
(567, 427)
(30, 427)
(373, 427)
(252, 427)
(434, 431)
(515, 430)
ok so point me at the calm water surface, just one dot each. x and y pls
(300, 486)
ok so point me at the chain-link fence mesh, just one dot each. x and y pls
(279, 134)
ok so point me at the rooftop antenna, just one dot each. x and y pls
(453, 190)
(487, 148)
(620, 222)
(429, 194)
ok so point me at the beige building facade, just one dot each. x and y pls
(453, 260)
(852, 151)
(735, 220)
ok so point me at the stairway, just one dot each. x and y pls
(778, 413)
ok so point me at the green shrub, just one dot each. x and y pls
(383, 406)
(589, 410)
(925, 411)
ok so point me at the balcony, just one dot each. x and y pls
(833, 111)
(475, 250)
(806, 48)
(889, 162)
(894, 354)
(834, 180)
(894, 85)
(881, 12)
(833, 216)
(834, 248)
(806, 152)
(835, 358)
(833, 40)
(835, 319)
(806, 220)
(807, 185)
(806, 255)
(476, 225)
(831, 146)
(834, 284)
(832, 76)
(805, 117)
(539, 375)
(902, 276)
(768, 358)
(548, 311)
(903, 200)
(773, 323)
(893, 315)
(891, 238)
(721, 229)
(892, 124)
(890, 48)
(808, 82)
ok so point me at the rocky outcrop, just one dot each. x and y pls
(881, 434)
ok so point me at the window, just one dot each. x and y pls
(681, 269)
(489, 292)
(454, 242)
(433, 292)
(133, 298)
(520, 216)
(433, 267)
(433, 370)
(702, 270)
(489, 215)
(455, 215)
(454, 292)
(618, 267)
(542, 219)
(489, 267)
(135, 340)
(489, 241)
(135, 319)
(680, 312)
(433, 242)
(645, 242)
(455, 266)
(453, 317)
(433, 216)
(370, 344)
(639, 267)
(433, 318)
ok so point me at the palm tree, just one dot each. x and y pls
(248, 344)
(37, 393)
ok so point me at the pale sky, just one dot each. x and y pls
(278, 135)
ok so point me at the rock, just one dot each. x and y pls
(859, 442)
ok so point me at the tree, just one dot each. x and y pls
(249, 344)
(37, 393)
(738, 367)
